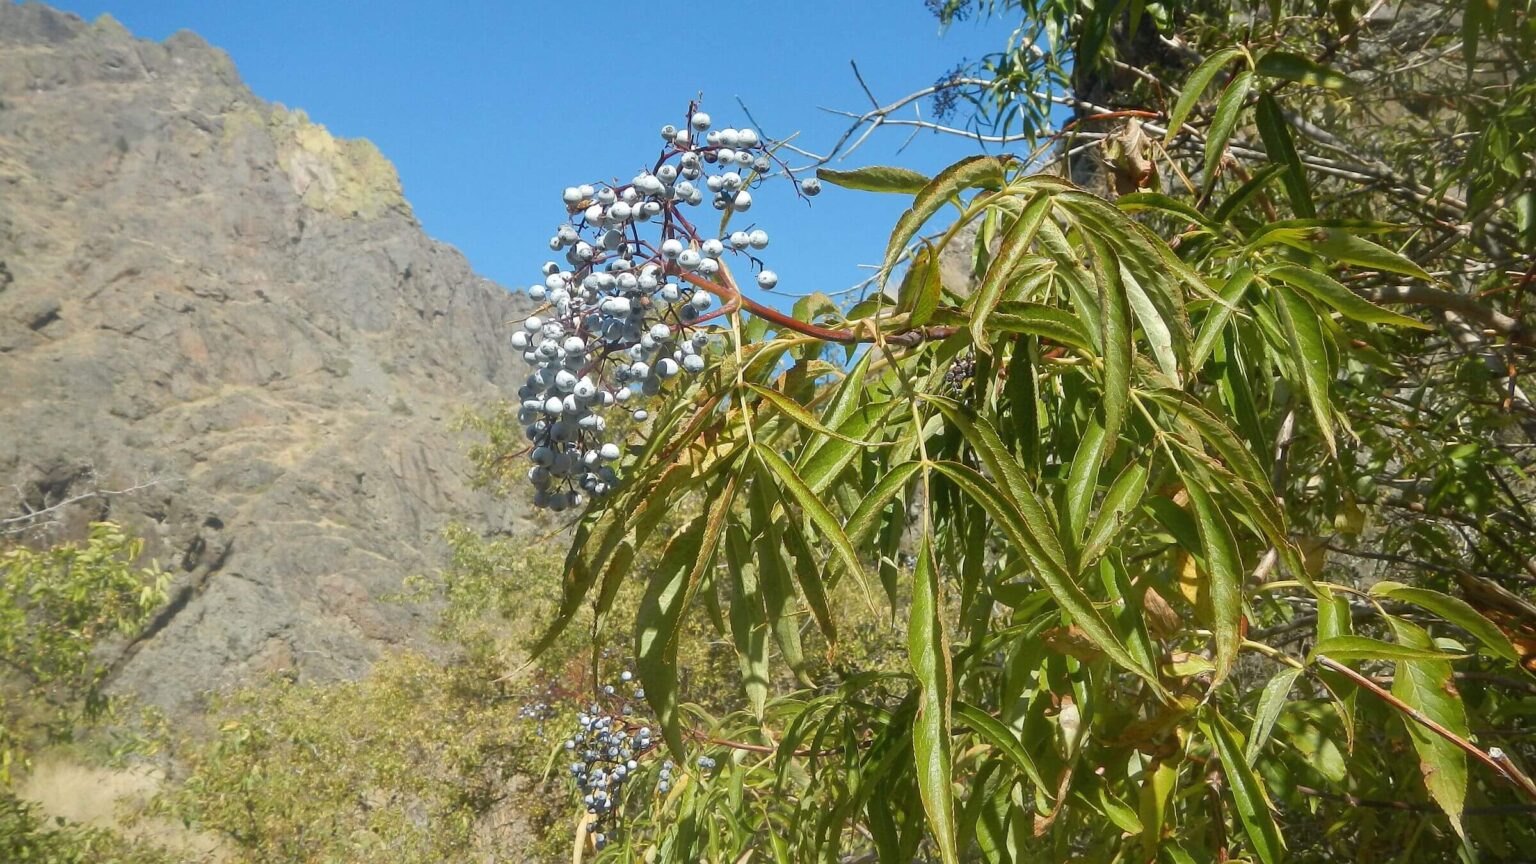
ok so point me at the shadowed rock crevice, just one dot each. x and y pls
(213, 294)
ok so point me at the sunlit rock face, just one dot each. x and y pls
(211, 295)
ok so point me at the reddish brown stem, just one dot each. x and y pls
(730, 294)
(1502, 767)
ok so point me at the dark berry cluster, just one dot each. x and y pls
(623, 312)
(605, 750)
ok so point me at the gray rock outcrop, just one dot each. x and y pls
(211, 295)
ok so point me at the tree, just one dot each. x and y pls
(1204, 505)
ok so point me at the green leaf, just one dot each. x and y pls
(812, 580)
(1195, 86)
(1228, 108)
(1275, 132)
(928, 649)
(1453, 609)
(1122, 499)
(1225, 579)
(826, 524)
(1304, 70)
(1136, 201)
(1037, 319)
(845, 400)
(1067, 593)
(1247, 791)
(921, 288)
(866, 519)
(1083, 481)
(656, 626)
(1337, 244)
(1271, 702)
(1428, 687)
(773, 571)
(1116, 335)
(1020, 238)
(796, 412)
(1220, 313)
(1250, 188)
(876, 178)
(968, 173)
(827, 462)
(1366, 648)
(1346, 302)
(1304, 333)
(991, 730)
(749, 630)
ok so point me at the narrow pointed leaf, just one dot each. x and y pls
(796, 412)
(1453, 609)
(1304, 333)
(1275, 132)
(1220, 313)
(1303, 70)
(1067, 593)
(1225, 579)
(876, 178)
(1018, 242)
(991, 730)
(1346, 302)
(1228, 109)
(1122, 499)
(928, 650)
(1365, 648)
(921, 288)
(1271, 702)
(866, 519)
(968, 173)
(1428, 687)
(826, 524)
(1336, 244)
(1247, 791)
(1194, 87)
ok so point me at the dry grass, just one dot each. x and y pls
(115, 799)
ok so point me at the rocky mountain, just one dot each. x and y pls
(223, 327)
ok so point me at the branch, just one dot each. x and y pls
(1438, 298)
(1494, 759)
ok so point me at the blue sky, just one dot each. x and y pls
(488, 109)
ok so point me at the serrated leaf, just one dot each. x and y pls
(1275, 132)
(1115, 335)
(1346, 302)
(877, 178)
(796, 412)
(1304, 334)
(1228, 109)
(866, 519)
(1428, 687)
(1337, 244)
(1037, 319)
(1082, 481)
(1303, 70)
(1220, 313)
(656, 626)
(991, 730)
(968, 173)
(928, 650)
(1365, 648)
(1134, 202)
(749, 630)
(1224, 577)
(921, 288)
(826, 524)
(1247, 791)
(1067, 593)
(1194, 88)
(828, 461)
(1122, 499)
(1453, 609)
(1018, 242)
(1271, 702)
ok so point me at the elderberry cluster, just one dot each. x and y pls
(623, 312)
(605, 749)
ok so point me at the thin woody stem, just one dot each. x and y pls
(1503, 767)
(730, 294)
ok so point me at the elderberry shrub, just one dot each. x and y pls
(625, 310)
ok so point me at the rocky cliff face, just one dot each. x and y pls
(211, 298)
